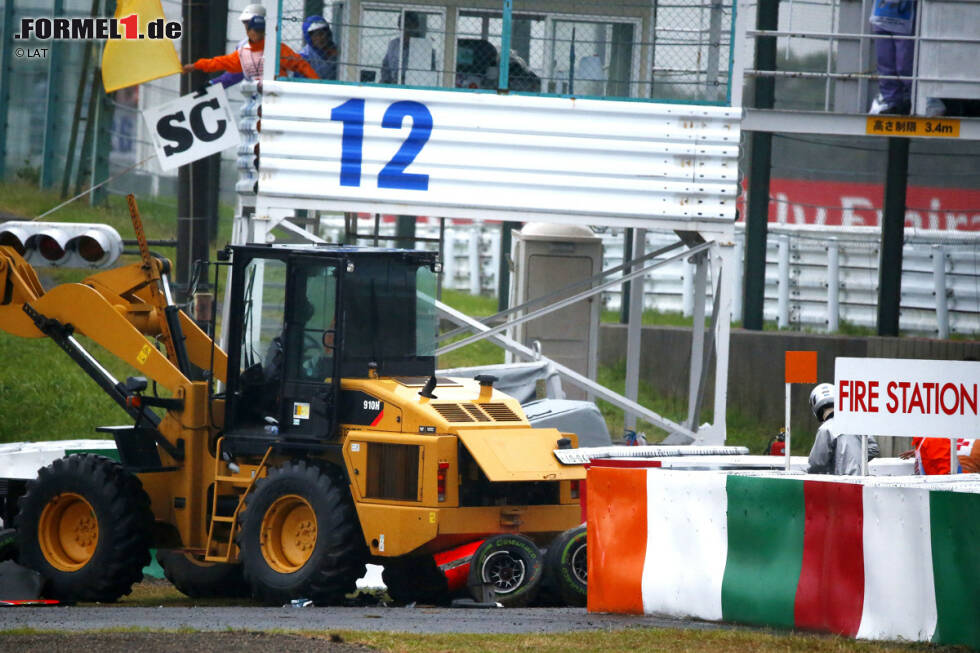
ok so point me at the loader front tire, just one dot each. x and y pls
(199, 579)
(300, 537)
(85, 525)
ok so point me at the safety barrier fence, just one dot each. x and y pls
(827, 55)
(817, 278)
(874, 558)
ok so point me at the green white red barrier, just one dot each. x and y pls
(875, 558)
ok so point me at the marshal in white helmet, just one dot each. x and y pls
(834, 452)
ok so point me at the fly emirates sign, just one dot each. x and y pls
(903, 397)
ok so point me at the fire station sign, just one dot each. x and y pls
(192, 127)
(911, 398)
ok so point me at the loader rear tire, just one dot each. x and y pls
(85, 525)
(300, 537)
(199, 579)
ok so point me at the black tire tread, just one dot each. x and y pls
(415, 579)
(555, 581)
(528, 550)
(343, 561)
(125, 524)
(215, 580)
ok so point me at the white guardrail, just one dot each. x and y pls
(817, 277)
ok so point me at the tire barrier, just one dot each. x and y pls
(873, 558)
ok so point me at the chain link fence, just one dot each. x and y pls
(679, 51)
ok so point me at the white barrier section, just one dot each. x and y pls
(897, 565)
(687, 512)
(482, 155)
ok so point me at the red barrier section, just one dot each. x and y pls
(830, 594)
(617, 537)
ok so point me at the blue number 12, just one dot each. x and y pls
(393, 175)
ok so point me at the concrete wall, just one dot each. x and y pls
(755, 370)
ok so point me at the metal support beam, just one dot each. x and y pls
(760, 164)
(503, 267)
(634, 329)
(52, 106)
(624, 294)
(697, 338)
(405, 232)
(631, 407)
(6, 73)
(625, 268)
(489, 331)
(197, 199)
(892, 237)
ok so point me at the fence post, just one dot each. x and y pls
(737, 281)
(782, 303)
(474, 258)
(833, 285)
(939, 279)
(493, 272)
(449, 259)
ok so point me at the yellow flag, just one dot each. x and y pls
(126, 62)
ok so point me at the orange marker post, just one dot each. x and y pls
(801, 367)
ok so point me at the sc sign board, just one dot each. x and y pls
(192, 127)
(910, 398)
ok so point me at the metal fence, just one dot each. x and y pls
(827, 57)
(679, 50)
(817, 278)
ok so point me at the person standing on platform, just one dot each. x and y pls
(249, 57)
(894, 56)
(320, 51)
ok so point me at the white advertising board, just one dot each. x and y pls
(192, 127)
(481, 155)
(911, 398)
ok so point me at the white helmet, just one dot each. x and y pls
(250, 11)
(822, 395)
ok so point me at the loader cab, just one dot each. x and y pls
(304, 317)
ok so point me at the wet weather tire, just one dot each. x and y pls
(199, 579)
(85, 525)
(416, 579)
(511, 565)
(300, 537)
(566, 567)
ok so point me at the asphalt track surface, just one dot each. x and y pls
(415, 620)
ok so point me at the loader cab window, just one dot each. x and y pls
(311, 325)
(389, 318)
(263, 316)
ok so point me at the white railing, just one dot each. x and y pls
(817, 277)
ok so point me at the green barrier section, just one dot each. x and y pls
(955, 527)
(765, 550)
(108, 453)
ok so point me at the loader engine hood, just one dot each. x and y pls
(519, 454)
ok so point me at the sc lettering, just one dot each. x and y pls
(171, 127)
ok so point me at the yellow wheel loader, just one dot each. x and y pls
(321, 440)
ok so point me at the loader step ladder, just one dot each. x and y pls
(221, 533)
